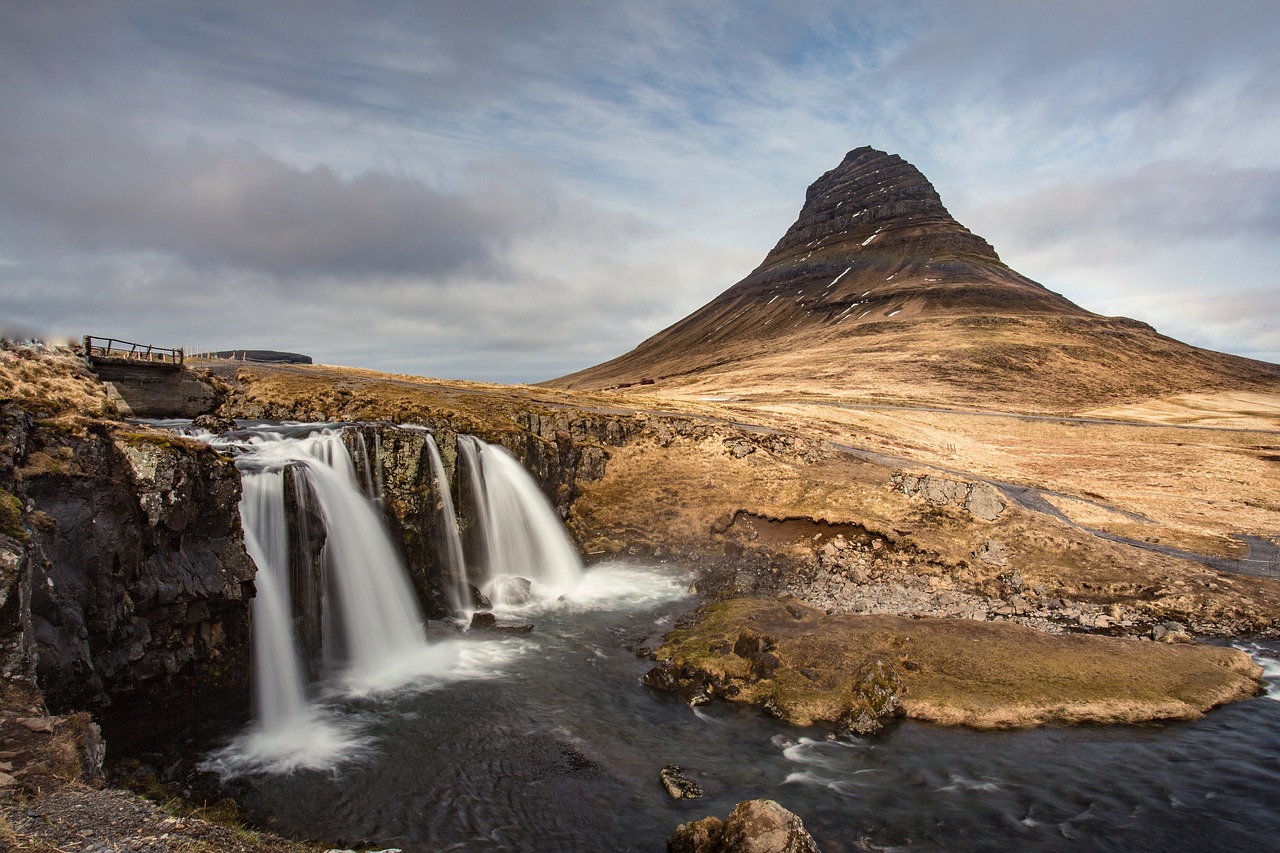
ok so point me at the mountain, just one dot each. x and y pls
(876, 292)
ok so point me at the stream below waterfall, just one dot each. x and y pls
(557, 746)
(432, 739)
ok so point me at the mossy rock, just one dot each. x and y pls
(11, 517)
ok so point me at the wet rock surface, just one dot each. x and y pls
(135, 585)
(754, 826)
(675, 779)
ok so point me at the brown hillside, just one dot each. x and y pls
(877, 293)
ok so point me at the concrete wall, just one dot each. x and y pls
(145, 391)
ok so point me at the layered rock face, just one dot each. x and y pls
(876, 223)
(873, 240)
(877, 290)
(131, 586)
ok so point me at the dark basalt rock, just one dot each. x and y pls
(482, 621)
(137, 582)
(678, 784)
(868, 190)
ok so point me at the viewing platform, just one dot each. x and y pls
(112, 351)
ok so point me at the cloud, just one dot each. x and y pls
(495, 190)
(1122, 219)
(236, 208)
(1206, 318)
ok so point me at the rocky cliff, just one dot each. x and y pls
(126, 583)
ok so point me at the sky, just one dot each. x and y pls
(510, 191)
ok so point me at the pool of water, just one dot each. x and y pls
(550, 742)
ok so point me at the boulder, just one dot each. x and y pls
(754, 826)
(678, 784)
(984, 501)
(214, 423)
(510, 590)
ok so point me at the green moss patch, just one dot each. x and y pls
(953, 672)
(11, 517)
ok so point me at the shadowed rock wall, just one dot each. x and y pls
(128, 567)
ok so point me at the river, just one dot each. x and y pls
(549, 741)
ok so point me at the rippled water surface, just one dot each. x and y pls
(552, 743)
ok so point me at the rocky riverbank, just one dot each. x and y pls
(851, 577)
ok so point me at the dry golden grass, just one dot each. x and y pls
(1192, 487)
(51, 381)
(1038, 363)
(1195, 485)
(1225, 409)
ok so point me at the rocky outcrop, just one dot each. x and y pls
(980, 499)
(675, 779)
(133, 585)
(754, 826)
(754, 659)
(564, 448)
(874, 193)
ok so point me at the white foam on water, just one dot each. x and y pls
(1270, 664)
(609, 586)
(317, 739)
(433, 667)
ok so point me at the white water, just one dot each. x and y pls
(380, 619)
(455, 564)
(371, 633)
(280, 697)
(522, 536)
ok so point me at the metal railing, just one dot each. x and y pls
(128, 351)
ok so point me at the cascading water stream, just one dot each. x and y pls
(280, 696)
(457, 585)
(522, 536)
(380, 619)
(311, 515)
(371, 622)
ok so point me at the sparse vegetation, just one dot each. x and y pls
(957, 672)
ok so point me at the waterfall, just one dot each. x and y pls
(457, 584)
(368, 617)
(280, 696)
(368, 466)
(380, 618)
(521, 534)
(334, 606)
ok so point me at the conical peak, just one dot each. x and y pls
(873, 196)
